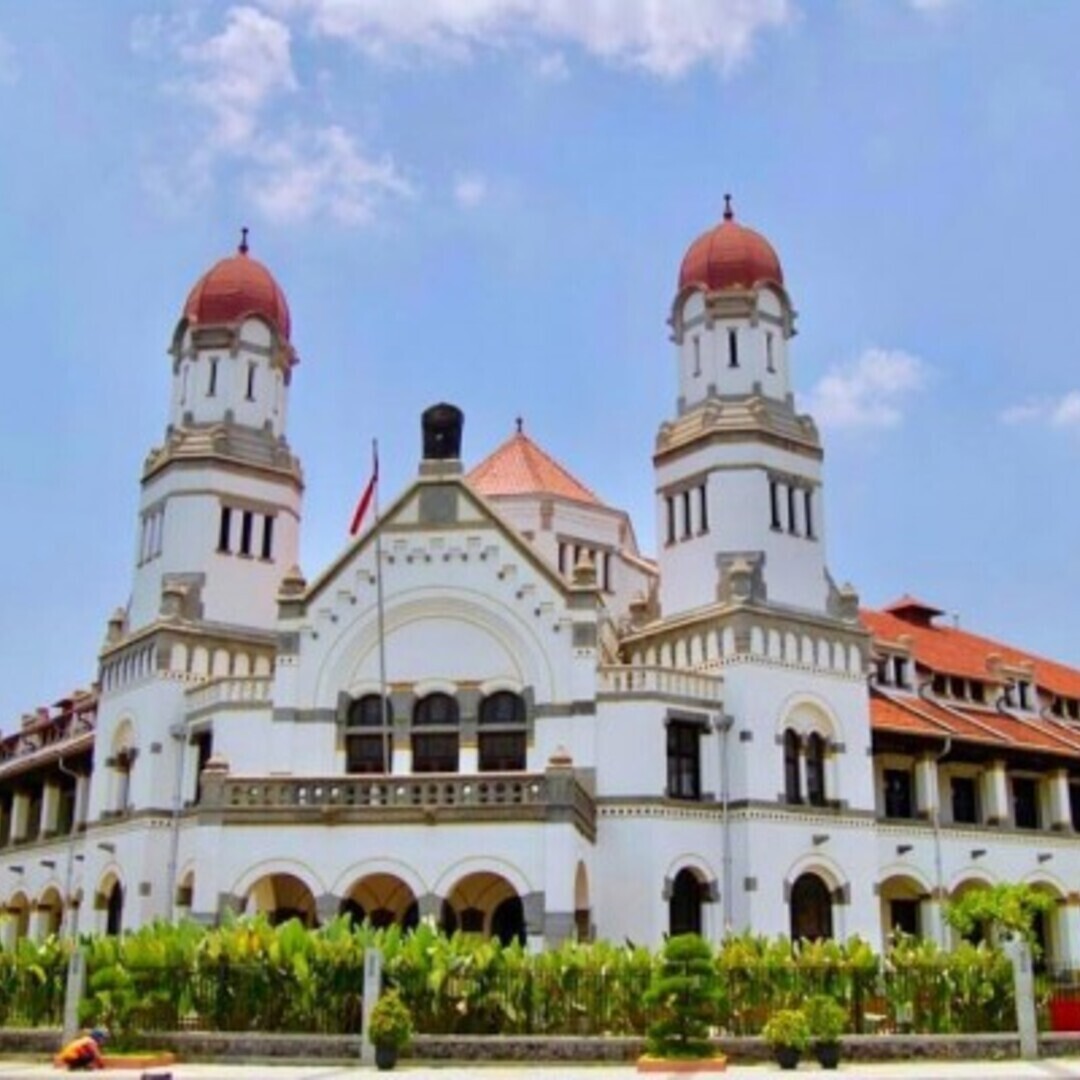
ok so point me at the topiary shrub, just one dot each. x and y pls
(684, 995)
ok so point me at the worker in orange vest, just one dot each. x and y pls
(83, 1052)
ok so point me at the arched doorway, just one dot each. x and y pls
(51, 907)
(485, 903)
(382, 899)
(684, 905)
(811, 909)
(901, 907)
(114, 909)
(281, 897)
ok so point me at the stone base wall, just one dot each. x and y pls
(218, 1046)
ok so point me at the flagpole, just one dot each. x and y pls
(381, 620)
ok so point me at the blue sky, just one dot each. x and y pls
(487, 201)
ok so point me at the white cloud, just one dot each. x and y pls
(9, 68)
(470, 189)
(870, 392)
(1062, 412)
(239, 70)
(323, 172)
(290, 170)
(663, 37)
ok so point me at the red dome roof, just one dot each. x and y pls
(236, 288)
(730, 256)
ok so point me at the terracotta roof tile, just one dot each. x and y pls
(953, 651)
(520, 467)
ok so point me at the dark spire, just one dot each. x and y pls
(729, 214)
(243, 248)
(519, 423)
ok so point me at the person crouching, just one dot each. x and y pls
(83, 1052)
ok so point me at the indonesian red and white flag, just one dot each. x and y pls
(366, 498)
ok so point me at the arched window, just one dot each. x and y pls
(811, 909)
(815, 770)
(502, 735)
(684, 907)
(792, 787)
(369, 748)
(435, 734)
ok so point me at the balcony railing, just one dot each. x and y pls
(555, 795)
(626, 681)
(230, 690)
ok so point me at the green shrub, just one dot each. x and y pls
(391, 1022)
(825, 1018)
(789, 1028)
(684, 994)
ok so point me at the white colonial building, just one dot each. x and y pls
(494, 711)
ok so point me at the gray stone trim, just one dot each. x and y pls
(750, 884)
(684, 716)
(429, 906)
(288, 642)
(584, 635)
(533, 905)
(327, 906)
(746, 735)
(305, 716)
(559, 926)
(569, 708)
(438, 504)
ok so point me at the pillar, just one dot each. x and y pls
(927, 788)
(82, 800)
(995, 795)
(50, 807)
(1057, 783)
(20, 812)
(931, 918)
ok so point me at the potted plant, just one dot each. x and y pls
(826, 1019)
(389, 1029)
(788, 1033)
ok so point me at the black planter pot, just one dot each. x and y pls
(385, 1057)
(787, 1057)
(828, 1054)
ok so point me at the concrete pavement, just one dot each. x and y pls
(1046, 1069)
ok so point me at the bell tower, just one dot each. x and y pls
(738, 470)
(219, 511)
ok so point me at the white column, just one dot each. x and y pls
(995, 795)
(20, 813)
(50, 807)
(927, 791)
(1068, 933)
(468, 760)
(1057, 783)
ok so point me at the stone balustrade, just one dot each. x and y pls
(626, 680)
(229, 690)
(555, 795)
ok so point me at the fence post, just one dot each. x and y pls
(74, 989)
(1019, 952)
(372, 989)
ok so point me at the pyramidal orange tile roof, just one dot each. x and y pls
(520, 467)
(953, 651)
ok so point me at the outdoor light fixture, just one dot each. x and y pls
(1045, 856)
(110, 848)
(903, 849)
(16, 869)
(820, 838)
(978, 853)
(50, 863)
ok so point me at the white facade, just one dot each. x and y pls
(538, 732)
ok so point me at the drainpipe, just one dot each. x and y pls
(68, 927)
(935, 816)
(723, 725)
(177, 731)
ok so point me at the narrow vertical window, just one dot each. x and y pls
(251, 381)
(774, 503)
(686, 526)
(183, 385)
(733, 348)
(669, 506)
(792, 512)
(211, 390)
(607, 572)
(770, 359)
(792, 787)
(808, 506)
(225, 529)
(703, 510)
(697, 355)
(246, 523)
(562, 557)
(268, 537)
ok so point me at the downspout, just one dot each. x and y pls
(724, 725)
(177, 731)
(68, 927)
(935, 820)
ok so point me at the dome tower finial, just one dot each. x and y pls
(243, 248)
(729, 214)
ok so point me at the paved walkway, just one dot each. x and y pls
(1046, 1069)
